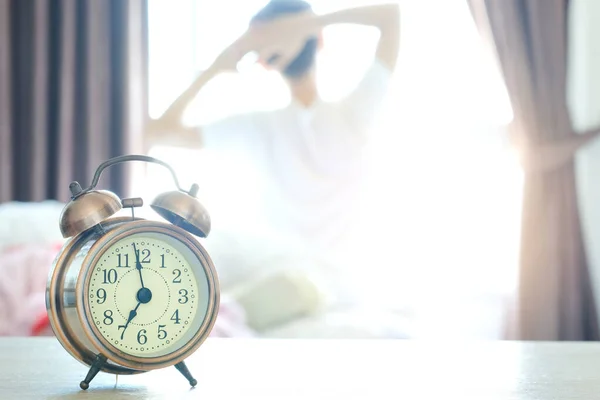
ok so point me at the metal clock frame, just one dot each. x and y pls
(83, 306)
(68, 303)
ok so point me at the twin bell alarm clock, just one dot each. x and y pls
(127, 295)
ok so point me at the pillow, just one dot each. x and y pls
(241, 255)
(30, 223)
(278, 298)
(24, 269)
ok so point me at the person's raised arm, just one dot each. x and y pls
(385, 17)
(169, 128)
(289, 33)
(360, 106)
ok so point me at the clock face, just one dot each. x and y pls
(148, 294)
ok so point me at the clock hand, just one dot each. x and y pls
(132, 315)
(138, 264)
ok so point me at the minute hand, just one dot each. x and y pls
(138, 264)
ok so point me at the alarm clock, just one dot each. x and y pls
(126, 295)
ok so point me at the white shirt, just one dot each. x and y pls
(299, 171)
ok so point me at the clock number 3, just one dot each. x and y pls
(184, 296)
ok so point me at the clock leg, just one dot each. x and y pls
(181, 367)
(94, 369)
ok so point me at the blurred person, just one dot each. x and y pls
(311, 152)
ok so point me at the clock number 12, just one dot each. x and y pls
(144, 256)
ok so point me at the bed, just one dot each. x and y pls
(266, 292)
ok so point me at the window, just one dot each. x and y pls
(445, 191)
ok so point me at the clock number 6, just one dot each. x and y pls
(141, 337)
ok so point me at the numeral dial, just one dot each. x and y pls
(147, 294)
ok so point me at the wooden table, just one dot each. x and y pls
(38, 368)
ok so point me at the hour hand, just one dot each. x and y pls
(132, 315)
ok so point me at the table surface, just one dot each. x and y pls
(38, 368)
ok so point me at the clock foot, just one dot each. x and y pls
(181, 367)
(94, 369)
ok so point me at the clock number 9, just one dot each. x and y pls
(141, 337)
(101, 294)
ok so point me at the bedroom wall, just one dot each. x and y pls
(584, 104)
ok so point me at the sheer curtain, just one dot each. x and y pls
(555, 300)
(444, 202)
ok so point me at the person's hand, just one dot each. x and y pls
(280, 52)
(229, 58)
(279, 41)
(286, 27)
(157, 131)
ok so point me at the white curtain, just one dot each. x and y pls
(445, 197)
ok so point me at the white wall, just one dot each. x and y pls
(584, 104)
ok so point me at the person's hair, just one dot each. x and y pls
(306, 58)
